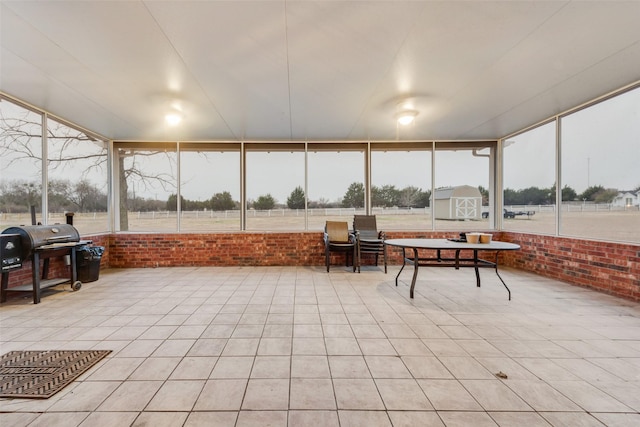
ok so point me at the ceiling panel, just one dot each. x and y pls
(314, 70)
(338, 58)
(236, 52)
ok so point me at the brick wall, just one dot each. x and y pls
(219, 249)
(613, 268)
(230, 249)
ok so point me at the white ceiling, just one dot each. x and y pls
(315, 70)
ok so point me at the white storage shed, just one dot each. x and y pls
(458, 203)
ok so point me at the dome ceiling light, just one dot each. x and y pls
(170, 106)
(173, 118)
(406, 117)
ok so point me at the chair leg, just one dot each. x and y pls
(356, 259)
(384, 256)
(327, 255)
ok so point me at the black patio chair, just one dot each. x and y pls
(369, 239)
(338, 239)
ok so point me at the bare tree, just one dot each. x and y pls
(131, 172)
(21, 140)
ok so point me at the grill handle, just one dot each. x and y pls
(49, 239)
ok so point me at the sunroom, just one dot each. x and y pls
(204, 145)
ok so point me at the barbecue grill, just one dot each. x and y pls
(36, 242)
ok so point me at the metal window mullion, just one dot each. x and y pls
(432, 202)
(178, 201)
(558, 174)
(306, 186)
(45, 172)
(243, 187)
(496, 198)
(368, 208)
(113, 214)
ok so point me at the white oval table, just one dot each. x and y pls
(440, 245)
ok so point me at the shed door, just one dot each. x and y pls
(467, 207)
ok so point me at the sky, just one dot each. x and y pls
(600, 145)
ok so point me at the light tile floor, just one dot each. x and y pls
(287, 346)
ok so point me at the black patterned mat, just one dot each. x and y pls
(41, 374)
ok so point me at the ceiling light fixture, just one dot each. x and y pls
(406, 117)
(173, 118)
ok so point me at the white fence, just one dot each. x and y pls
(6, 218)
(253, 213)
(571, 207)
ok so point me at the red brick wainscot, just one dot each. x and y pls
(613, 268)
(232, 249)
(216, 249)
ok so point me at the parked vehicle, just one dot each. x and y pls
(511, 214)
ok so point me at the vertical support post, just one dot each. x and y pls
(243, 187)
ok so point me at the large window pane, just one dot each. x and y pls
(275, 189)
(529, 181)
(601, 164)
(401, 189)
(336, 186)
(77, 178)
(147, 187)
(20, 164)
(210, 189)
(462, 190)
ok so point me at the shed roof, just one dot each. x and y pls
(458, 191)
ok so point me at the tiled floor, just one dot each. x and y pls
(286, 346)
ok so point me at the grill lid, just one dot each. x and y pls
(35, 236)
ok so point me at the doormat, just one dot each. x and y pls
(41, 374)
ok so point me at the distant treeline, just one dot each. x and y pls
(547, 196)
(83, 196)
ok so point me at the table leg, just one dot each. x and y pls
(499, 277)
(415, 271)
(475, 267)
(404, 262)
